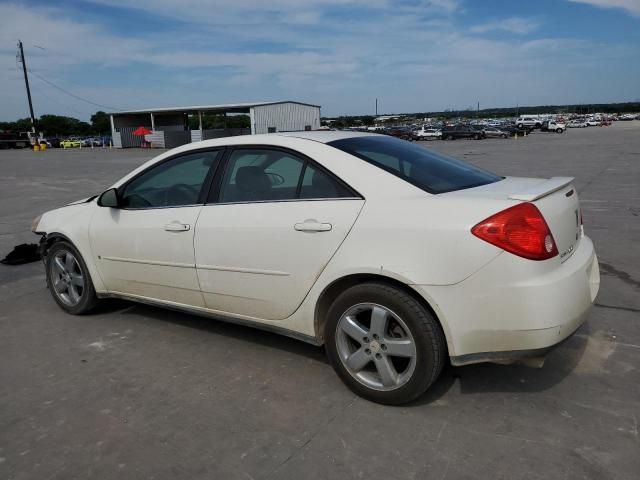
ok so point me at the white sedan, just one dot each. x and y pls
(396, 258)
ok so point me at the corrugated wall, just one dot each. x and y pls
(285, 117)
(156, 139)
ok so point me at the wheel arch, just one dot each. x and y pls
(50, 238)
(331, 292)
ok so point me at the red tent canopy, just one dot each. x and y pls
(140, 131)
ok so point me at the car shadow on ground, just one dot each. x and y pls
(472, 379)
(217, 327)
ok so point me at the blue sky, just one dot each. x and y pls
(414, 55)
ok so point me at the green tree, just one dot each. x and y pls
(57, 125)
(100, 123)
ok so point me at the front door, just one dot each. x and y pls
(145, 248)
(276, 223)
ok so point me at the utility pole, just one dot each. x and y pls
(376, 107)
(26, 82)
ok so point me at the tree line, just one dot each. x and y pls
(501, 112)
(58, 125)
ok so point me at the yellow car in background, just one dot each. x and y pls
(70, 144)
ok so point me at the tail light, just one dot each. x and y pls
(521, 230)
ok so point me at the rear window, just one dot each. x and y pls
(431, 171)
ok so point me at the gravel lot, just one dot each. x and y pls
(138, 392)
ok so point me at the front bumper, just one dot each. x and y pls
(515, 308)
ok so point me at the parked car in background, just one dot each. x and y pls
(553, 126)
(54, 141)
(492, 132)
(396, 258)
(462, 131)
(69, 143)
(592, 122)
(426, 133)
(577, 124)
(527, 121)
(404, 133)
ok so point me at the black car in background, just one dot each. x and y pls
(513, 130)
(462, 131)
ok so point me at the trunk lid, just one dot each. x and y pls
(556, 198)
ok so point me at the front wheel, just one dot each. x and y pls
(69, 280)
(383, 343)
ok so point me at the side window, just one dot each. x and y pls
(260, 175)
(317, 184)
(174, 183)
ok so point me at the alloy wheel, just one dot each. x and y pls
(376, 346)
(67, 278)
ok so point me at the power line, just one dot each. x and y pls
(58, 102)
(72, 94)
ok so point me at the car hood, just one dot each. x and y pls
(84, 200)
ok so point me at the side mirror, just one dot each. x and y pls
(109, 199)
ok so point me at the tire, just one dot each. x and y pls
(374, 373)
(476, 137)
(69, 282)
(521, 126)
(503, 136)
(559, 130)
(450, 137)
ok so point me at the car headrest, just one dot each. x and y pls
(252, 179)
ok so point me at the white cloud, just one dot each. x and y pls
(341, 54)
(517, 25)
(630, 6)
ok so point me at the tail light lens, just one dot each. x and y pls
(521, 230)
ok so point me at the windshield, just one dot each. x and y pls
(431, 171)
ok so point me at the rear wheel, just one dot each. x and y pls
(559, 130)
(69, 280)
(383, 343)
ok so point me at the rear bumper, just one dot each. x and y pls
(515, 308)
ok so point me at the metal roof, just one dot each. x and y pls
(229, 107)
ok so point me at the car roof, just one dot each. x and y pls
(326, 136)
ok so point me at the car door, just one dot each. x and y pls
(274, 221)
(145, 247)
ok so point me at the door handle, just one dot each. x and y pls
(312, 226)
(177, 227)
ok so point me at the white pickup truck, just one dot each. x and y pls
(427, 133)
(553, 126)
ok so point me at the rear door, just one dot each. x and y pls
(274, 221)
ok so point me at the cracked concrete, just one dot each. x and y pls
(138, 392)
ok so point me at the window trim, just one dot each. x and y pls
(213, 197)
(206, 184)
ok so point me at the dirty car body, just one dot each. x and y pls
(395, 257)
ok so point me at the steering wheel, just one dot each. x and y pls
(179, 194)
(275, 178)
(136, 201)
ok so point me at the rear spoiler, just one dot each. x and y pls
(542, 189)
